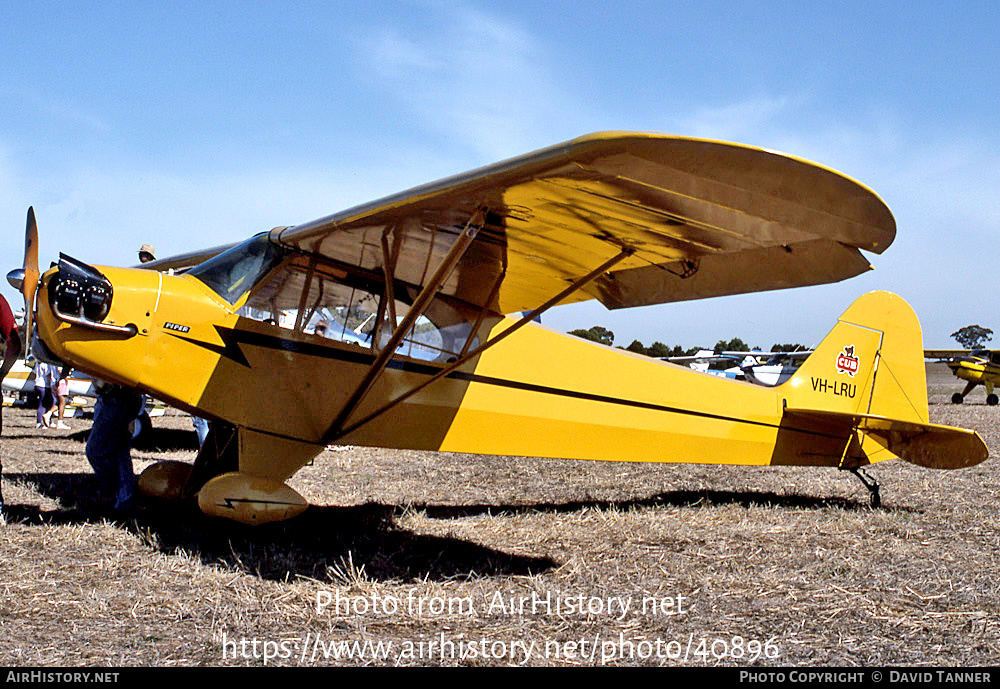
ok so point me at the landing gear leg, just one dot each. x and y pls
(959, 397)
(871, 484)
(218, 454)
(171, 479)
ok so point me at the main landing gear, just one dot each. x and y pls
(991, 397)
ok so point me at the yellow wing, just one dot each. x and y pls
(184, 261)
(945, 353)
(700, 218)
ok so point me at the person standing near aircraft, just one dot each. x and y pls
(200, 427)
(110, 443)
(53, 398)
(62, 392)
(11, 350)
(109, 446)
(45, 382)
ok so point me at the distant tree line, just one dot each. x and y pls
(658, 349)
(604, 336)
(597, 334)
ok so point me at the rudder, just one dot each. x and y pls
(866, 384)
(871, 363)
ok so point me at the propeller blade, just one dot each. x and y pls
(30, 282)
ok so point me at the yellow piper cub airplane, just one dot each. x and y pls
(975, 366)
(424, 281)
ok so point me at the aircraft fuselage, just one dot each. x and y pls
(538, 393)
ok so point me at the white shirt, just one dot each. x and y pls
(46, 375)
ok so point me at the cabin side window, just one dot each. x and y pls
(315, 298)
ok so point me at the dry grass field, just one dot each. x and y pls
(413, 558)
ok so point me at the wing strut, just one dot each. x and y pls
(389, 259)
(339, 430)
(451, 259)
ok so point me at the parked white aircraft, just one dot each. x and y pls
(762, 368)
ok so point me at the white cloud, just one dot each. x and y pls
(941, 186)
(740, 121)
(103, 215)
(475, 78)
(394, 56)
(50, 106)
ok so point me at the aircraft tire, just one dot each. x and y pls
(957, 398)
(992, 399)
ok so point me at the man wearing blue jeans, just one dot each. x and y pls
(201, 428)
(109, 444)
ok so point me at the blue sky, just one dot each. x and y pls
(187, 125)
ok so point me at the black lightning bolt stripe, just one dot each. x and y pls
(229, 348)
(233, 338)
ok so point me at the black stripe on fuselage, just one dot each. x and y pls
(233, 338)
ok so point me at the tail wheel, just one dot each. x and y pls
(992, 399)
(957, 398)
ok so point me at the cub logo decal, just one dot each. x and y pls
(847, 362)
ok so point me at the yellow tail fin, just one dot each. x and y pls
(867, 379)
(872, 362)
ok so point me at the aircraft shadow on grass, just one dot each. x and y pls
(361, 541)
(338, 544)
(678, 498)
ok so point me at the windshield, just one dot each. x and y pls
(233, 273)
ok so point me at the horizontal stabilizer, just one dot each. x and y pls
(925, 444)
